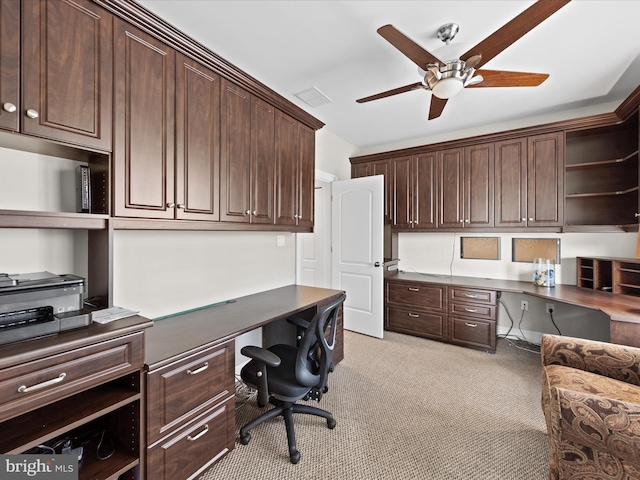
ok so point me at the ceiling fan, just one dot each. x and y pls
(445, 78)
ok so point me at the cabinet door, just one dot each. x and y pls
(545, 180)
(402, 200)
(235, 154)
(306, 173)
(478, 186)
(287, 174)
(424, 190)
(262, 161)
(10, 63)
(67, 72)
(143, 149)
(197, 141)
(383, 167)
(450, 188)
(511, 183)
(360, 170)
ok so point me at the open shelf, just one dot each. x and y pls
(609, 274)
(31, 429)
(34, 219)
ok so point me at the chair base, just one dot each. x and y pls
(286, 409)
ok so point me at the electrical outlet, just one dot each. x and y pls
(524, 305)
(550, 308)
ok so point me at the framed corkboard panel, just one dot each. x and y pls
(483, 248)
(527, 249)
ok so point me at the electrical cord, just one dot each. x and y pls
(243, 392)
(528, 346)
(553, 321)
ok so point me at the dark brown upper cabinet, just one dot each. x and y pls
(530, 181)
(378, 167)
(465, 186)
(414, 191)
(247, 158)
(197, 141)
(143, 148)
(65, 90)
(295, 172)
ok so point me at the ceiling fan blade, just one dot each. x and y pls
(513, 30)
(395, 91)
(436, 107)
(500, 78)
(408, 47)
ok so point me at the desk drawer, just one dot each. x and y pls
(33, 384)
(480, 334)
(196, 446)
(487, 312)
(417, 295)
(474, 295)
(179, 391)
(416, 322)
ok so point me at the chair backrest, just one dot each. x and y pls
(312, 369)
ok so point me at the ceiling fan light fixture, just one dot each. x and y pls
(447, 87)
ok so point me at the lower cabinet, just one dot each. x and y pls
(449, 313)
(190, 413)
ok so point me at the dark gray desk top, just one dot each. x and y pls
(622, 308)
(179, 335)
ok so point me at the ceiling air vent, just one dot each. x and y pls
(313, 97)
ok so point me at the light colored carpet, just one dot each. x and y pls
(409, 408)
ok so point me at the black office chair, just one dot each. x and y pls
(284, 374)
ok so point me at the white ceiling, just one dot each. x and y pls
(590, 48)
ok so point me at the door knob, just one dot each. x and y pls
(377, 264)
(9, 107)
(31, 113)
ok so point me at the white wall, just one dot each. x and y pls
(439, 253)
(333, 153)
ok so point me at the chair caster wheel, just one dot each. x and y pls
(295, 457)
(331, 423)
(244, 439)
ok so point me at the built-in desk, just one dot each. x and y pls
(189, 358)
(623, 310)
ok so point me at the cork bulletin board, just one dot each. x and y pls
(527, 249)
(484, 248)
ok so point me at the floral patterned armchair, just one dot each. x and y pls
(591, 404)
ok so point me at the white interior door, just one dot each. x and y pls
(357, 210)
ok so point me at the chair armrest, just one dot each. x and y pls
(299, 321)
(619, 362)
(261, 355)
(596, 426)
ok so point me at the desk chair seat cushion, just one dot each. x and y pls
(282, 380)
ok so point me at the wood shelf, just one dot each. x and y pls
(64, 220)
(602, 194)
(600, 164)
(33, 428)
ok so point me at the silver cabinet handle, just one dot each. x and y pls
(9, 107)
(198, 370)
(410, 222)
(531, 219)
(247, 212)
(637, 215)
(31, 113)
(413, 289)
(254, 213)
(414, 315)
(472, 310)
(470, 295)
(523, 219)
(466, 221)
(461, 221)
(171, 205)
(193, 439)
(472, 325)
(180, 205)
(53, 381)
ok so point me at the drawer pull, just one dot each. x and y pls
(472, 325)
(470, 295)
(413, 289)
(193, 439)
(414, 315)
(472, 310)
(53, 381)
(198, 370)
